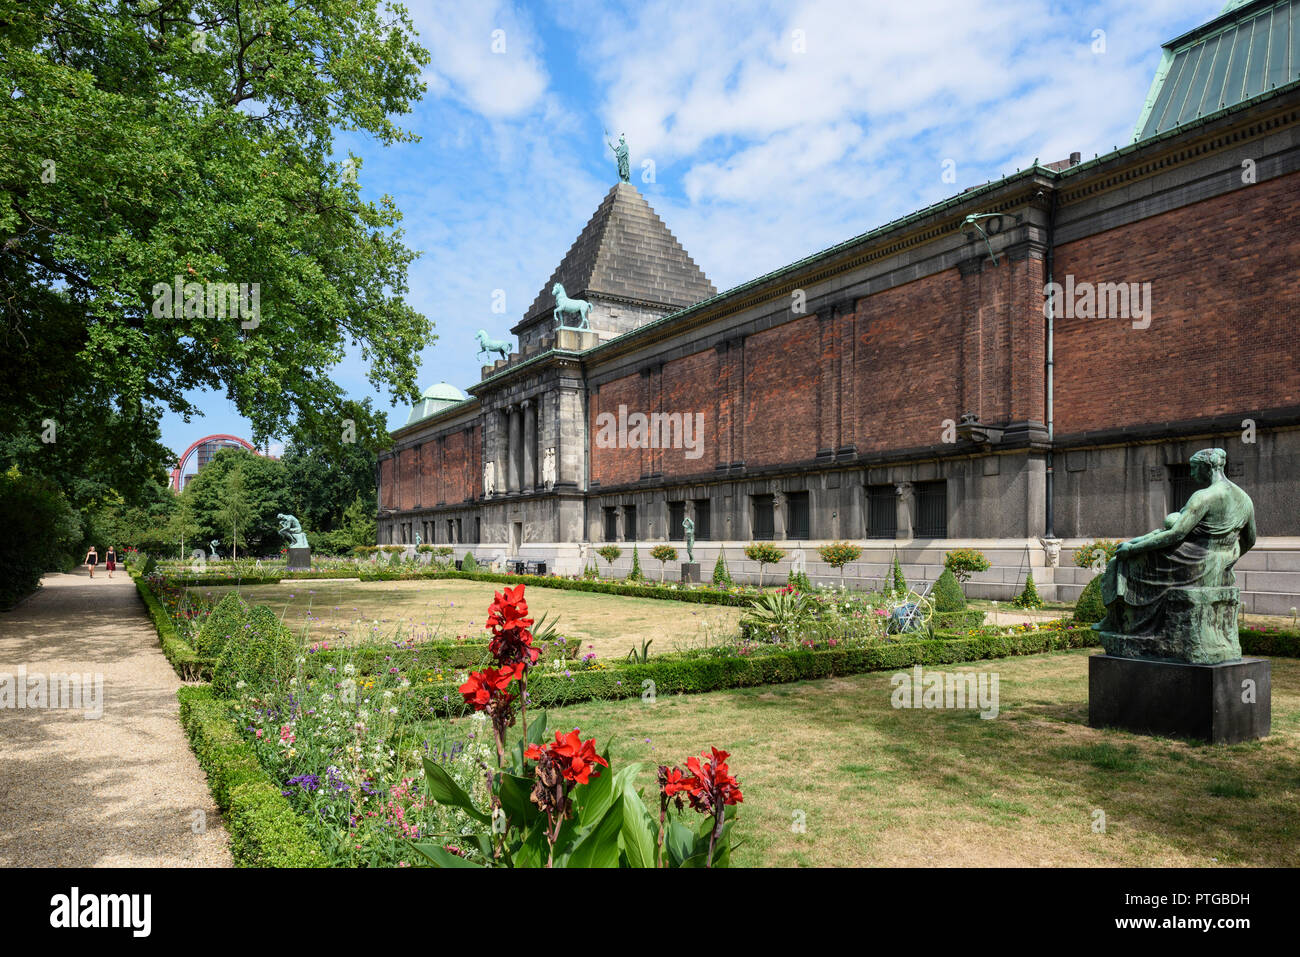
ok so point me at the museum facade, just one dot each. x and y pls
(1022, 367)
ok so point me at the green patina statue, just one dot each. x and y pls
(620, 154)
(1171, 594)
(291, 531)
(688, 527)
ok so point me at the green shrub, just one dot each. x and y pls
(947, 593)
(721, 577)
(41, 532)
(467, 564)
(264, 829)
(663, 554)
(1089, 608)
(799, 581)
(964, 562)
(220, 626)
(635, 574)
(1029, 597)
(261, 655)
(899, 584)
(839, 554)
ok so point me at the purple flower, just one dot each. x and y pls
(308, 782)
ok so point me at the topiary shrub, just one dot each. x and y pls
(261, 655)
(947, 594)
(899, 584)
(765, 553)
(467, 564)
(635, 574)
(964, 562)
(721, 577)
(1029, 597)
(222, 624)
(799, 582)
(148, 567)
(1089, 608)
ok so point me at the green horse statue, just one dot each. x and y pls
(488, 345)
(564, 305)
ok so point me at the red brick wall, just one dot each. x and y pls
(780, 403)
(907, 361)
(689, 386)
(1223, 339)
(614, 466)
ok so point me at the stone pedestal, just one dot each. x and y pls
(299, 560)
(1221, 704)
(691, 572)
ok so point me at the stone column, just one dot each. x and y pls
(514, 451)
(904, 513)
(529, 413)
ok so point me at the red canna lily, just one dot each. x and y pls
(509, 623)
(574, 758)
(711, 785)
(490, 684)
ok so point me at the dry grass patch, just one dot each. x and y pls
(350, 612)
(879, 786)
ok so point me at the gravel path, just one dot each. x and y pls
(120, 791)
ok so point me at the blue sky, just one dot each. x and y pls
(774, 129)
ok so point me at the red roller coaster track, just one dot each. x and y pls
(180, 462)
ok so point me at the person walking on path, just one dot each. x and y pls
(92, 559)
(110, 561)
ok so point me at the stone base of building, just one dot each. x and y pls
(299, 560)
(1221, 704)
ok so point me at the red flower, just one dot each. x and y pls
(573, 758)
(711, 784)
(509, 622)
(490, 684)
(675, 782)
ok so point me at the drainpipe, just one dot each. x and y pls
(1050, 362)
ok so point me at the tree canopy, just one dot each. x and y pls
(167, 143)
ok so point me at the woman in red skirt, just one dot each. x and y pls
(110, 560)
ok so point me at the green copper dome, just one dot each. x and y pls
(435, 399)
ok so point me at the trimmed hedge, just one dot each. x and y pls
(186, 662)
(1275, 644)
(958, 620)
(948, 596)
(222, 623)
(261, 654)
(264, 829)
(1088, 609)
(372, 660)
(693, 674)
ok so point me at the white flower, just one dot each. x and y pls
(239, 686)
(388, 695)
(348, 669)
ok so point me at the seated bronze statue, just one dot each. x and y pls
(1171, 594)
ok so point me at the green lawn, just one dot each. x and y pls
(879, 786)
(343, 612)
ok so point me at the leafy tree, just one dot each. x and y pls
(155, 142)
(359, 521)
(839, 554)
(183, 524)
(235, 510)
(325, 480)
(611, 554)
(765, 553)
(664, 554)
(40, 533)
(1096, 554)
(467, 564)
(964, 562)
(265, 491)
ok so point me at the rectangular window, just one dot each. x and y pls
(611, 524)
(703, 521)
(764, 523)
(676, 515)
(882, 512)
(797, 513)
(931, 510)
(1181, 486)
(478, 530)
(459, 531)
(629, 523)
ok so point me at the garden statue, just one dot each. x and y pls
(688, 527)
(1173, 664)
(1170, 594)
(488, 345)
(291, 531)
(563, 304)
(212, 545)
(620, 154)
(418, 540)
